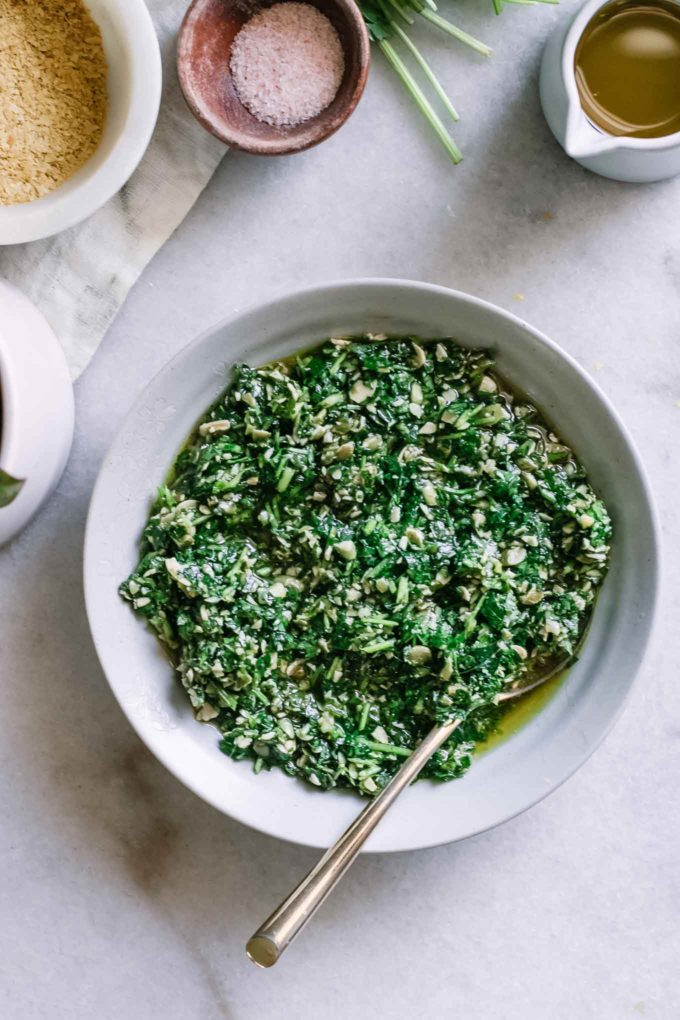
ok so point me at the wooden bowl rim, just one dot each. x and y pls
(281, 146)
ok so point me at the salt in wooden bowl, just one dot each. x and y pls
(203, 62)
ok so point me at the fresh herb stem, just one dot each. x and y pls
(457, 33)
(420, 100)
(427, 71)
(376, 745)
(378, 646)
(401, 12)
(379, 16)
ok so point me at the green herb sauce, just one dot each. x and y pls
(361, 541)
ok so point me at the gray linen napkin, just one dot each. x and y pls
(80, 278)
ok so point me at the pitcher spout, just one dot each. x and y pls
(582, 139)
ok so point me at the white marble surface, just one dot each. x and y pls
(121, 894)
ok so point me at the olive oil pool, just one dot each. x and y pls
(627, 67)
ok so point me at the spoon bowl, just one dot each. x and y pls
(203, 63)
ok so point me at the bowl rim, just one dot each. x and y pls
(8, 411)
(276, 146)
(32, 221)
(240, 811)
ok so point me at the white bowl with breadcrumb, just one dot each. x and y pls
(134, 91)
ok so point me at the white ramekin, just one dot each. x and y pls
(36, 413)
(134, 86)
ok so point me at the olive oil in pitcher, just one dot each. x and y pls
(627, 67)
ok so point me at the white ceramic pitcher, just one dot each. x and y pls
(635, 160)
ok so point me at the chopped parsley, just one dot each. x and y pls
(363, 540)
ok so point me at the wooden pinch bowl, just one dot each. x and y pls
(203, 64)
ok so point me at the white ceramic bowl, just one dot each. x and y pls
(518, 772)
(134, 87)
(36, 407)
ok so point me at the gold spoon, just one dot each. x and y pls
(268, 943)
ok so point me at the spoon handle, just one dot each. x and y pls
(268, 943)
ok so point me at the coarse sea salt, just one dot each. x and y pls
(287, 64)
